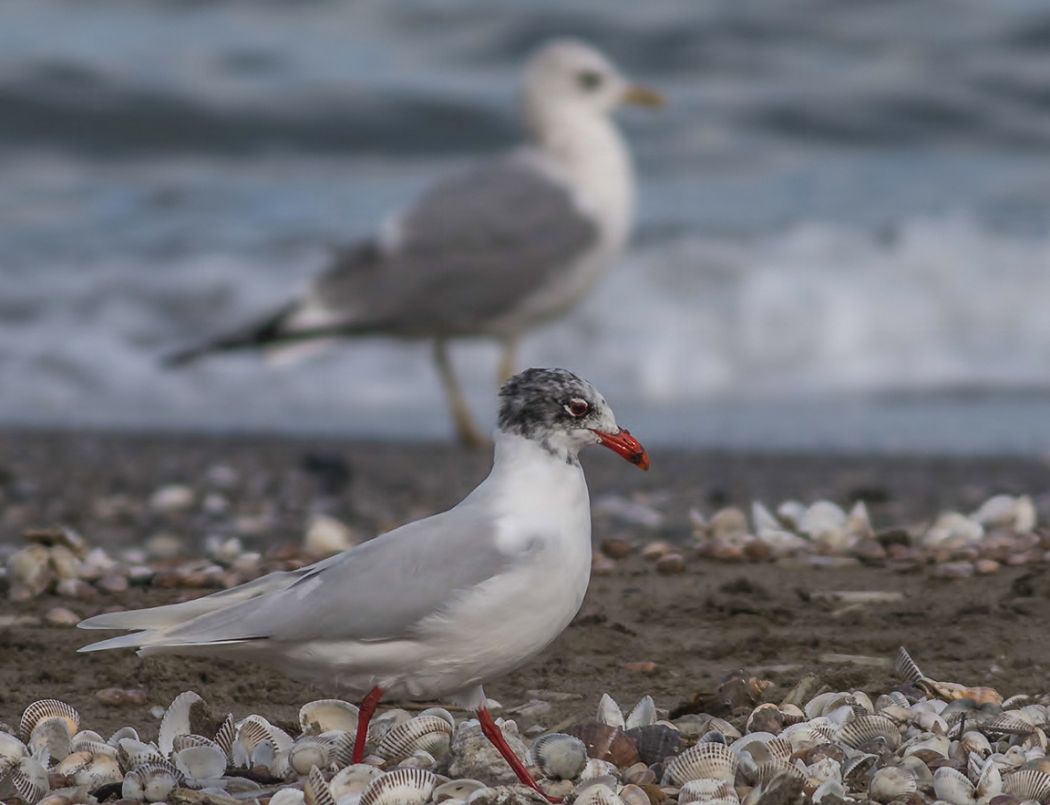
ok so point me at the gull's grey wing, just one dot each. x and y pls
(379, 590)
(471, 249)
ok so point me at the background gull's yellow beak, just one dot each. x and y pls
(643, 96)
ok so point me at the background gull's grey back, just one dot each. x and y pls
(845, 201)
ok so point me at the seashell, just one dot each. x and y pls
(990, 782)
(1007, 724)
(596, 769)
(833, 790)
(120, 734)
(288, 796)
(353, 779)
(309, 752)
(29, 780)
(559, 756)
(598, 794)
(928, 746)
(890, 783)
(855, 769)
(430, 733)
(51, 735)
(765, 718)
(420, 759)
(919, 770)
(1027, 784)
(176, 720)
(643, 714)
(609, 712)
(872, 733)
(151, 783)
(401, 787)
(325, 715)
(770, 770)
(204, 761)
(792, 714)
(638, 774)
(824, 769)
(316, 790)
(705, 791)
(46, 709)
(92, 771)
(132, 753)
(457, 789)
(632, 794)
(605, 742)
(655, 742)
(712, 760)
(694, 725)
(226, 735)
(953, 786)
(823, 702)
(254, 744)
(893, 698)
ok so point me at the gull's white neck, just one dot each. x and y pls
(528, 479)
(588, 147)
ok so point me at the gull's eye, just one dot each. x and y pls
(589, 79)
(577, 407)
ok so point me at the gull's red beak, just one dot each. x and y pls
(624, 444)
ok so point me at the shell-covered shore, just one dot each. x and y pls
(923, 740)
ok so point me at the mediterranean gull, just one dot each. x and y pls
(493, 251)
(437, 607)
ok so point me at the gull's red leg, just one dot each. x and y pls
(364, 715)
(495, 736)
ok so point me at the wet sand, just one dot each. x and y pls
(695, 627)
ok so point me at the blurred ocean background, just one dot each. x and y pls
(843, 237)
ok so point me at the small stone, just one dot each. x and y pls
(654, 550)
(113, 583)
(326, 535)
(76, 588)
(172, 499)
(602, 565)
(215, 504)
(617, 547)
(728, 522)
(670, 564)
(222, 476)
(954, 570)
(164, 546)
(61, 616)
(985, 567)
(641, 667)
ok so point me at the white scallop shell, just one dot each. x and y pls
(598, 794)
(559, 756)
(596, 768)
(309, 752)
(288, 796)
(711, 760)
(176, 720)
(30, 780)
(953, 787)
(354, 779)
(151, 783)
(431, 733)
(401, 787)
(458, 789)
(609, 712)
(51, 735)
(132, 752)
(632, 794)
(324, 715)
(890, 783)
(316, 790)
(868, 732)
(705, 790)
(201, 762)
(928, 743)
(1027, 784)
(121, 734)
(46, 710)
(643, 714)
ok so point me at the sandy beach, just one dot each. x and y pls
(772, 619)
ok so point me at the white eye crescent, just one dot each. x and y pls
(577, 407)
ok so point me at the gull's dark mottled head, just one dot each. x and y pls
(563, 412)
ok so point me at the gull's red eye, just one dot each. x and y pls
(577, 407)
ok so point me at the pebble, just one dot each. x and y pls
(641, 667)
(617, 547)
(654, 550)
(61, 616)
(602, 565)
(172, 498)
(985, 567)
(164, 546)
(325, 535)
(670, 564)
(954, 570)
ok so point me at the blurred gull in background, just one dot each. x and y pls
(492, 251)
